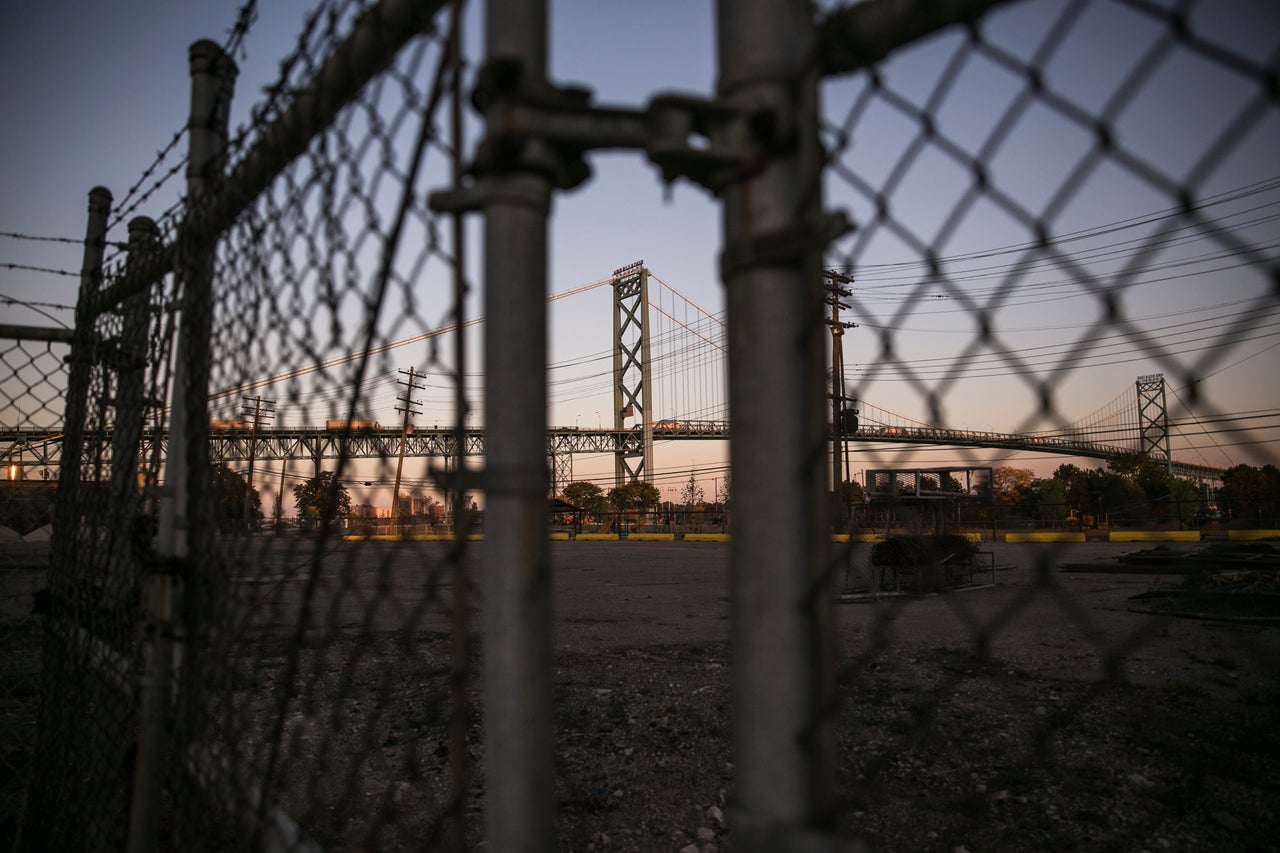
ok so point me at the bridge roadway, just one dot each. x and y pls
(36, 447)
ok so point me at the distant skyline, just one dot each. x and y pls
(92, 92)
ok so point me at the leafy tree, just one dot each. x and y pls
(637, 495)
(1051, 499)
(586, 495)
(852, 492)
(1011, 484)
(228, 489)
(322, 499)
(1123, 500)
(1251, 494)
(1185, 500)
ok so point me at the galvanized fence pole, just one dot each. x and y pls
(771, 265)
(128, 354)
(181, 533)
(213, 76)
(154, 685)
(520, 802)
(81, 361)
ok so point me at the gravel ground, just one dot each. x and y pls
(1038, 713)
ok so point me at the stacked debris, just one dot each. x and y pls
(1223, 580)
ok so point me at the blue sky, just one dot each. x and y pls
(92, 91)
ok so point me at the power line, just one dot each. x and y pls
(1227, 196)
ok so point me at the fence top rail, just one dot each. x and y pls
(9, 331)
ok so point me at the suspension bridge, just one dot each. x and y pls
(668, 356)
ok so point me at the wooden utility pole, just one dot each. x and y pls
(408, 409)
(835, 282)
(258, 409)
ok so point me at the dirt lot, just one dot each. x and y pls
(1040, 713)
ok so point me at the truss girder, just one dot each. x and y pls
(311, 444)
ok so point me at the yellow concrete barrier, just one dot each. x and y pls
(597, 537)
(841, 538)
(558, 537)
(1250, 535)
(651, 537)
(1154, 536)
(1043, 536)
(399, 537)
(706, 537)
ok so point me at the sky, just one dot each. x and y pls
(91, 93)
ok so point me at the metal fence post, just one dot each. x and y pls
(519, 808)
(129, 353)
(771, 266)
(154, 685)
(213, 76)
(182, 532)
(81, 360)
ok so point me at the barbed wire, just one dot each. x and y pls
(38, 307)
(263, 111)
(128, 204)
(132, 206)
(29, 268)
(35, 239)
(13, 300)
(246, 17)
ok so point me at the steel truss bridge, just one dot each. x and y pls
(1123, 427)
(41, 448)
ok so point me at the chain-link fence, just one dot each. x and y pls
(33, 366)
(216, 678)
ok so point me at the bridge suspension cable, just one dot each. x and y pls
(377, 350)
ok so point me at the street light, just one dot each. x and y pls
(599, 424)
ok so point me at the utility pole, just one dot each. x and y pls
(258, 409)
(835, 282)
(284, 464)
(408, 409)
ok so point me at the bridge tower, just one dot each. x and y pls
(1153, 419)
(632, 383)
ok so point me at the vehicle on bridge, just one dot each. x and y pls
(351, 425)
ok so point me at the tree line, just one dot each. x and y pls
(1133, 490)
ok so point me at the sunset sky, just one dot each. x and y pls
(91, 93)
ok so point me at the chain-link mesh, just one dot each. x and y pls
(32, 381)
(1111, 159)
(321, 687)
(320, 678)
(110, 390)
